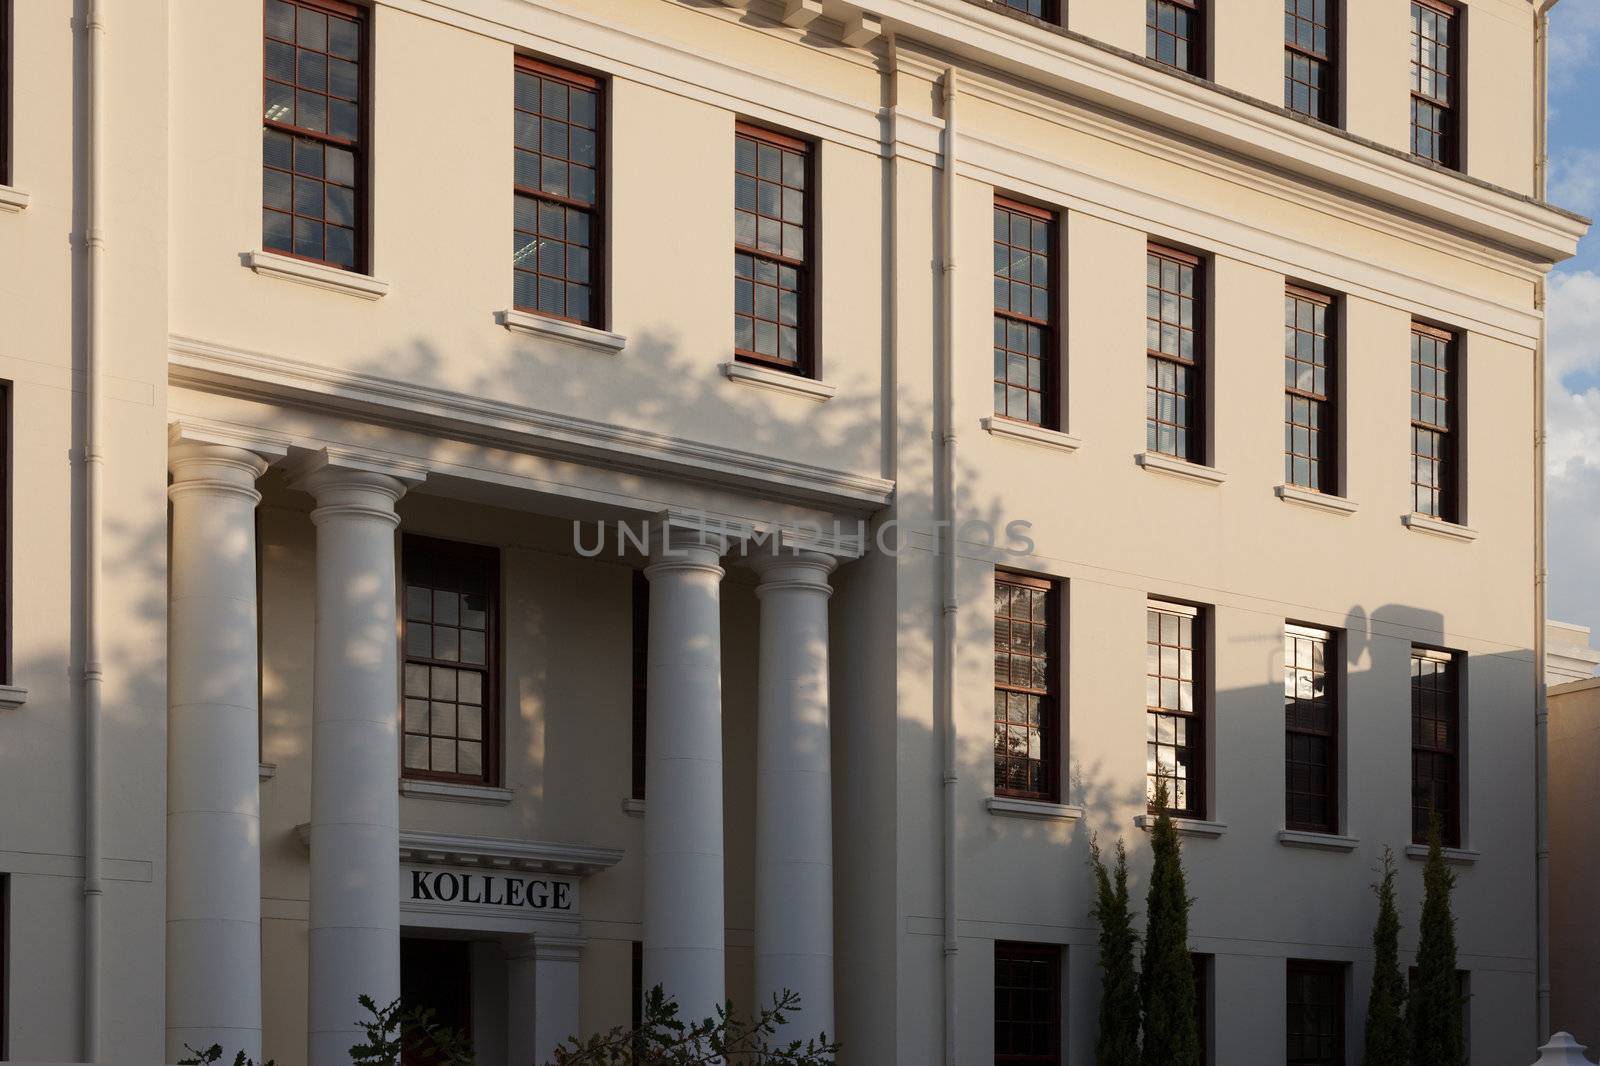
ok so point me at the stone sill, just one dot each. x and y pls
(447, 790)
(1449, 530)
(529, 324)
(1157, 463)
(633, 808)
(12, 697)
(1454, 856)
(762, 378)
(1297, 838)
(1188, 826)
(13, 199)
(316, 275)
(1320, 500)
(1022, 808)
(1029, 433)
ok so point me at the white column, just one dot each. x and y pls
(213, 970)
(355, 805)
(683, 851)
(542, 991)
(794, 789)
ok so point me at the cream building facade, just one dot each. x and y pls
(331, 667)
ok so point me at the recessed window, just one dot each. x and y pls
(1024, 313)
(1434, 380)
(1026, 687)
(556, 245)
(1174, 34)
(314, 181)
(1174, 719)
(1310, 425)
(1315, 1021)
(1027, 1004)
(773, 221)
(641, 676)
(1039, 9)
(1311, 724)
(1434, 85)
(5, 111)
(1435, 744)
(5, 533)
(1175, 352)
(451, 669)
(1310, 41)
(1203, 965)
(5, 964)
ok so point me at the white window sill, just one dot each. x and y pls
(633, 808)
(447, 790)
(13, 199)
(267, 771)
(1021, 808)
(12, 697)
(1449, 530)
(761, 378)
(1320, 500)
(1296, 838)
(316, 275)
(1454, 856)
(1031, 434)
(1157, 463)
(596, 340)
(1188, 826)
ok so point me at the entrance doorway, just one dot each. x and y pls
(437, 974)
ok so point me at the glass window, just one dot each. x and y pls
(451, 669)
(557, 172)
(641, 678)
(1027, 1004)
(1026, 687)
(1174, 34)
(1039, 9)
(1433, 81)
(314, 177)
(1311, 722)
(1310, 40)
(1435, 744)
(1310, 421)
(1175, 353)
(1173, 721)
(773, 221)
(1433, 416)
(1315, 1019)
(1024, 313)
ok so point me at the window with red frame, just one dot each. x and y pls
(1026, 687)
(1174, 719)
(314, 177)
(1174, 352)
(1434, 85)
(1435, 744)
(1174, 34)
(1434, 378)
(1027, 1004)
(451, 670)
(557, 186)
(1311, 725)
(1310, 457)
(773, 223)
(1024, 313)
(1310, 70)
(1315, 1013)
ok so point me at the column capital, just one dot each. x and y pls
(540, 946)
(793, 568)
(211, 459)
(686, 541)
(347, 482)
(203, 431)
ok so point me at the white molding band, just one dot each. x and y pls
(1448, 530)
(1321, 501)
(1295, 838)
(266, 771)
(316, 275)
(1453, 856)
(1157, 463)
(13, 199)
(602, 342)
(633, 808)
(778, 381)
(1021, 808)
(501, 853)
(455, 792)
(12, 697)
(1029, 433)
(1196, 827)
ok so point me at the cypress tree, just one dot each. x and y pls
(1166, 985)
(1433, 1010)
(1387, 1042)
(1118, 1041)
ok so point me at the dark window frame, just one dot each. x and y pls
(1197, 450)
(5, 967)
(1050, 697)
(1332, 647)
(641, 680)
(8, 123)
(1196, 731)
(1448, 755)
(1051, 956)
(1049, 10)
(1199, 54)
(1327, 61)
(596, 211)
(443, 553)
(1448, 105)
(1050, 361)
(7, 587)
(808, 361)
(1334, 972)
(1328, 476)
(1203, 964)
(1445, 489)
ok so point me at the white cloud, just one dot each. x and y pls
(1574, 42)
(1575, 179)
(1572, 419)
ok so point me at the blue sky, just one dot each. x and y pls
(1573, 360)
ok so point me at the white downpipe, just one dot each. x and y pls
(94, 462)
(946, 680)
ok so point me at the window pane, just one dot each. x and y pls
(1026, 692)
(770, 219)
(1024, 329)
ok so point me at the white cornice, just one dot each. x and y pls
(496, 853)
(218, 368)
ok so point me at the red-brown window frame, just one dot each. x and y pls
(1051, 955)
(7, 451)
(1050, 717)
(1329, 112)
(807, 363)
(1450, 464)
(1329, 442)
(1450, 821)
(360, 148)
(1199, 742)
(1199, 450)
(1452, 105)
(1199, 54)
(489, 558)
(1332, 658)
(598, 304)
(641, 685)
(7, 125)
(1050, 374)
(1337, 971)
